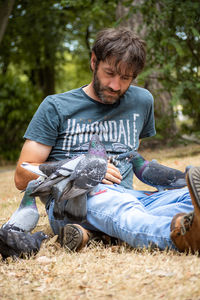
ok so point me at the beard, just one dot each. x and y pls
(106, 94)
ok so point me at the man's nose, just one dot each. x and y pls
(115, 83)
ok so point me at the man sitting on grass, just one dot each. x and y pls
(121, 114)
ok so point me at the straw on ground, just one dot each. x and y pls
(99, 272)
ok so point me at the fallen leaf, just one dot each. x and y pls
(160, 273)
(45, 259)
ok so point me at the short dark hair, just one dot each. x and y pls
(122, 45)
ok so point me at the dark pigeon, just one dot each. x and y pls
(26, 217)
(20, 244)
(71, 181)
(153, 173)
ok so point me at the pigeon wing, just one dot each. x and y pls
(72, 192)
(90, 172)
(44, 189)
(51, 167)
(67, 168)
(7, 245)
(59, 210)
(158, 175)
(33, 169)
(59, 189)
(76, 208)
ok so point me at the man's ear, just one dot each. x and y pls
(93, 61)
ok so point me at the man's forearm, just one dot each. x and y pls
(22, 178)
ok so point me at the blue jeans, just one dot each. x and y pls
(141, 219)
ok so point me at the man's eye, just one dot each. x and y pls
(110, 73)
(125, 78)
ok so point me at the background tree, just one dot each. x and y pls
(129, 14)
(173, 38)
(46, 49)
(5, 11)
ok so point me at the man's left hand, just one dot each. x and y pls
(112, 175)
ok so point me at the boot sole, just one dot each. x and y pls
(71, 237)
(193, 182)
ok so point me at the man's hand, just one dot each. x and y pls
(112, 175)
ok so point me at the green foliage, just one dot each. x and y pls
(173, 40)
(18, 102)
(46, 49)
(34, 36)
(74, 73)
(88, 17)
(48, 43)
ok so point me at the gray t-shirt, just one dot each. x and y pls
(67, 121)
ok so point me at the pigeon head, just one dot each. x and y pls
(28, 199)
(39, 237)
(33, 184)
(96, 147)
(136, 160)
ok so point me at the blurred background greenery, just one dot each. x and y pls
(45, 48)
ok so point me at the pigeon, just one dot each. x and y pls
(153, 173)
(20, 244)
(72, 180)
(48, 168)
(26, 217)
(52, 173)
(71, 193)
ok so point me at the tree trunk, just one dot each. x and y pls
(44, 79)
(5, 11)
(44, 75)
(47, 80)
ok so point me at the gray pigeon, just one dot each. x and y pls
(88, 173)
(48, 168)
(52, 173)
(20, 244)
(153, 173)
(26, 217)
(71, 181)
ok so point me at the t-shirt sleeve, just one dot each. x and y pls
(149, 121)
(44, 125)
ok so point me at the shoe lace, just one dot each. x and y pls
(186, 222)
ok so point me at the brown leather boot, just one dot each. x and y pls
(74, 236)
(185, 228)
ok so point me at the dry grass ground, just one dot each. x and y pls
(114, 272)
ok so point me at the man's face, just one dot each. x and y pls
(110, 83)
